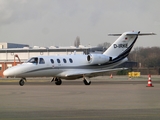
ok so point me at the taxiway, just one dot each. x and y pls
(111, 99)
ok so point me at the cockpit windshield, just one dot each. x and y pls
(36, 60)
(33, 60)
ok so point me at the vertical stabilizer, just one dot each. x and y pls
(123, 45)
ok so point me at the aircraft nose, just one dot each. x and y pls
(13, 71)
(6, 73)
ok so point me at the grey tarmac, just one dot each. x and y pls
(113, 99)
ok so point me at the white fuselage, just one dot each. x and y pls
(56, 66)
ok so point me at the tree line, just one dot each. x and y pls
(146, 57)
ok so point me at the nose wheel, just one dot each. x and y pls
(22, 81)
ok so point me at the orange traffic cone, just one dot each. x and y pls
(111, 76)
(129, 78)
(149, 81)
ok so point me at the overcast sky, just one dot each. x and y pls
(59, 22)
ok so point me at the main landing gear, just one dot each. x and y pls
(22, 81)
(58, 81)
(86, 82)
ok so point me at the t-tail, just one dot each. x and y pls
(123, 45)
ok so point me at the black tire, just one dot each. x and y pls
(21, 82)
(58, 82)
(86, 83)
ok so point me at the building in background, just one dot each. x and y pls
(5, 45)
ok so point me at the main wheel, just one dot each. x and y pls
(86, 82)
(21, 82)
(58, 81)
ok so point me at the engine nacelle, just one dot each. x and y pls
(98, 58)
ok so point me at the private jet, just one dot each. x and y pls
(74, 66)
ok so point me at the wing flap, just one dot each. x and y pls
(72, 73)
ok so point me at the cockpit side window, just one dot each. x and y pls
(33, 60)
(41, 61)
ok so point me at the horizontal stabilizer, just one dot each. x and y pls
(132, 33)
(114, 34)
(147, 34)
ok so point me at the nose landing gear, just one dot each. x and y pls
(22, 81)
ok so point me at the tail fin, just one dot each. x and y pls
(123, 45)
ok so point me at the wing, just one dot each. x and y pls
(82, 72)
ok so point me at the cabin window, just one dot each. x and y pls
(41, 61)
(52, 61)
(64, 60)
(71, 61)
(58, 60)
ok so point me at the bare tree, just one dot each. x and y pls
(77, 42)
